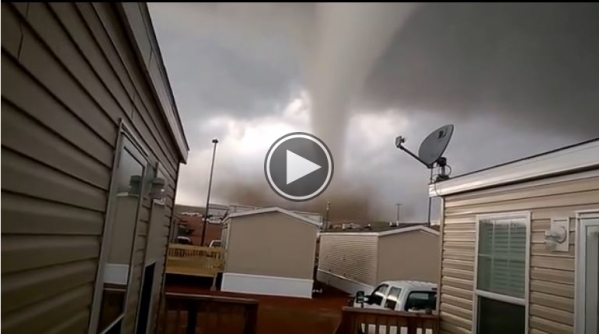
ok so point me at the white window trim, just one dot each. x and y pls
(495, 296)
(124, 130)
(143, 276)
(580, 268)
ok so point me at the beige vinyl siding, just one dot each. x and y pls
(250, 249)
(410, 255)
(551, 273)
(350, 256)
(157, 244)
(69, 75)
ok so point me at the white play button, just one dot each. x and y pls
(298, 167)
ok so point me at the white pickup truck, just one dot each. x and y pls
(215, 243)
(408, 296)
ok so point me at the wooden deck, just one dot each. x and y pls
(362, 320)
(195, 260)
(192, 313)
(325, 313)
(277, 314)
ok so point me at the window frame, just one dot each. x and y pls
(124, 132)
(580, 267)
(496, 296)
(155, 169)
(397, 300)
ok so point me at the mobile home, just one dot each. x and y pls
(520, 244)
(269, 251)
(91, 149)
(358, 261)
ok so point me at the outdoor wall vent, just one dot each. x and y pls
(557, 238)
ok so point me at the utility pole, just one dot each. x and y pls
(398, 205)
(214, 141)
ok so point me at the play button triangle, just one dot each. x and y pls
(298, 167)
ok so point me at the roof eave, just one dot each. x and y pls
(274, 209)
(141, 35)
(580, 157)
(386, 233)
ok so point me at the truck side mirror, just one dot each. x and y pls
(360, 298)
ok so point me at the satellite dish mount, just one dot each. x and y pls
(431, 151)
(430, 154)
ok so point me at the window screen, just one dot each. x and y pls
(496, 317)
(502, 256)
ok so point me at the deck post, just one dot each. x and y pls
(251, 315)
(192, 317)
(412, 327)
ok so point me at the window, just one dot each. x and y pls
(501, 273)
(497, 317)
(377, 296)
(119, 238)
(392, 298)
(421, 300)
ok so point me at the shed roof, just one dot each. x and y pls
(386, 233)
(577, 157)
(275, 209)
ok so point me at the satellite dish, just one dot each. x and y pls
(430, 154)
(433, 147)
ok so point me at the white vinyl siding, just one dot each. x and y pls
(349, 256)
(551, 273)
(70, 75)
(369, 259)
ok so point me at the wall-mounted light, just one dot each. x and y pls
(157, 190)
(557, 238)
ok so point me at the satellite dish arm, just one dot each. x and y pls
(401, 147)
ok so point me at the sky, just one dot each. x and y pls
(514, 79)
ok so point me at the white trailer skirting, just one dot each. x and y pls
(267, 285)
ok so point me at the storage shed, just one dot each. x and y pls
(269, 251)
(354, 261)
(520, 245)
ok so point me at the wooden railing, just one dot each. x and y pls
(362, 320)
(185, 313)
(194, 260)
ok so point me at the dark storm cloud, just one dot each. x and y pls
(533, 66)
(223, 71)
(515, 79)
